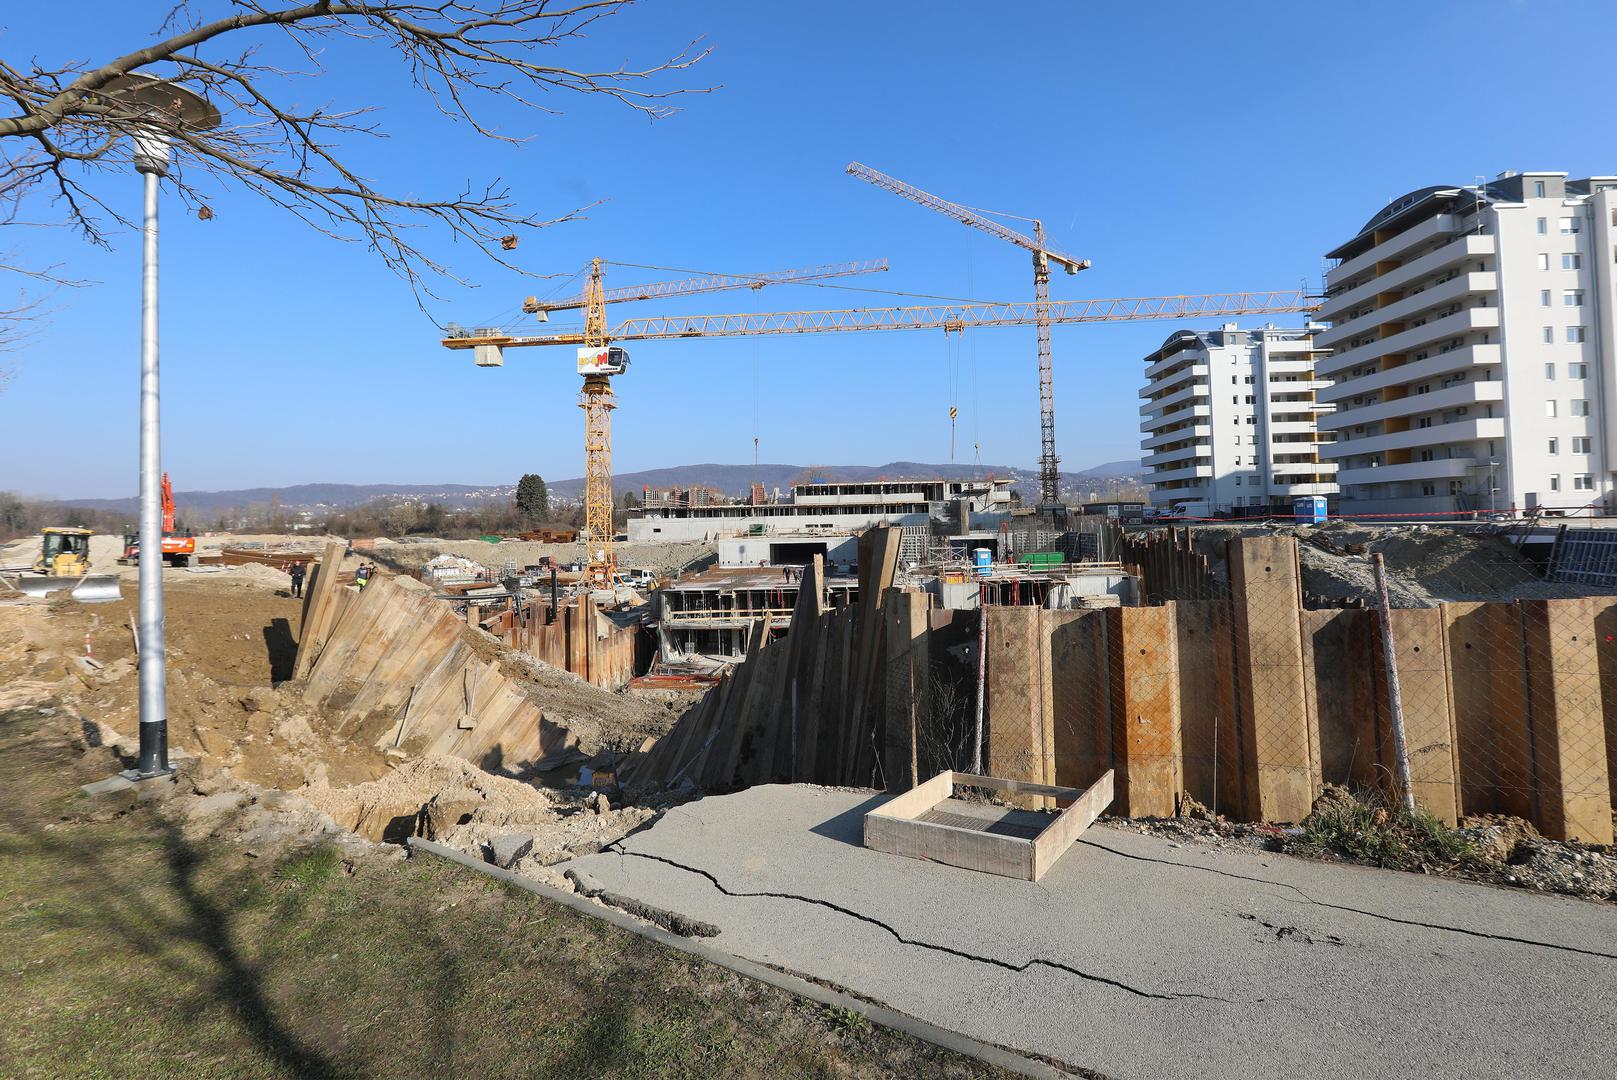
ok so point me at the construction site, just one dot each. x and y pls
(1290, 752)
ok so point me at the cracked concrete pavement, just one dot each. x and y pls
(1140, 957)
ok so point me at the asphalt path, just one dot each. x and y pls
(1140, 957)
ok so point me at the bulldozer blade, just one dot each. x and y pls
(92, 589)
(33, 585)
(97, 589)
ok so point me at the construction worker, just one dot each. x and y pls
(295, 571)
(362, 576)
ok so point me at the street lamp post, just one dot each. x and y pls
(164, 107)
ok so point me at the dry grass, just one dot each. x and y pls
(128, 949)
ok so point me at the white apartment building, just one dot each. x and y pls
(1229, 420)
(1472, 349)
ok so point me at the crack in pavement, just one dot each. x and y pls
(1307, 899)
(901, 939)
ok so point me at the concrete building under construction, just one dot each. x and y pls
(832, 509)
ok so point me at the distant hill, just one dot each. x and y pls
(730, 479)
(1109, 469)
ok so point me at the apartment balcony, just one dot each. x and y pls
(1466, 393)
(1297, 386)
(1187, 393)
(1285, 364)
(1443, 293)
(1183, 453)
(1456, 325)
(1298, 490)
(1190, 472)
(1158, 385)
(1292, 427)
(1470, 246)
(1175, 416)
(1303, 468)
(1457, 431)
(1441, 469)
(1194, 433)
(1183, 356)
(1393, 247)
(1442, 363)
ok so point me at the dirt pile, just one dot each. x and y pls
(453, 802)
(1426, 564)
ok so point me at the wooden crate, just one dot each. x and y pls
(927, 822)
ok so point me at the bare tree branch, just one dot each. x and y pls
(68, 123)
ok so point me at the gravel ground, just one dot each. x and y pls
(1505, 851)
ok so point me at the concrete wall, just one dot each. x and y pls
(655, 530)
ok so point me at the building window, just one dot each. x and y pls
(1549, 335)
(1580, 406)
(1571, 261)
(1235, 399)
(1549, 372)
(1580, 444)
(1572, 297)
(1543, 260)
(1577, 371)
(1428, 489)
(1583, 482)
(1250, 400)
(1425, 421)
(1538, 189)
(1555, 481)
(1543, 226)
(1570, 225)
(1544, 297)
(1575, 334)
(1555, 446)
(1549, 408)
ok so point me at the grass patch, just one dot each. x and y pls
(1369, 828)
(127, 943)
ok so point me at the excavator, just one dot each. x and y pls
(178, 548)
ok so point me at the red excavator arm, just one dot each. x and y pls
(168, 506)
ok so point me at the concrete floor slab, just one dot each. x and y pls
(1138, 957)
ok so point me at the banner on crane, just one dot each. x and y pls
(602, 360)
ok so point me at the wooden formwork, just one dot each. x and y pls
(928, 822)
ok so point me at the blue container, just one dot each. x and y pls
(1309, 510)
(983, 559)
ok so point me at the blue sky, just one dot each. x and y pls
(1182, 147)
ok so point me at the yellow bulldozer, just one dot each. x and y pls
(64, 552)
(64, 563)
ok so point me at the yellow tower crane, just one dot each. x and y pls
(599, 360)
(596, 339)
(1043, 256)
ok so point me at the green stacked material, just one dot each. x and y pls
(1041, 558)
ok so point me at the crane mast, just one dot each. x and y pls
(597, 401)
(1043, 255)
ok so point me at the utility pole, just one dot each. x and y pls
(165, 107)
